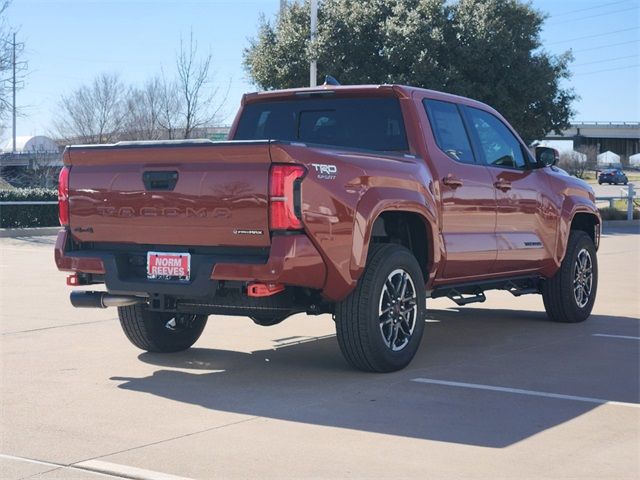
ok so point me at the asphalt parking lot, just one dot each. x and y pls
(496, 390)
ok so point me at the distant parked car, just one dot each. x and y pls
(612, 176)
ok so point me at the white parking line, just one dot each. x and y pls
(297, 340)
(615, 336)
(519, 391)
(125, 471)
(54, 466)
(104, 469)
(30, 460)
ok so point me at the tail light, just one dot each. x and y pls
(63, 197)
(284, 197)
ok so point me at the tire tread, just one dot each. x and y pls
(557, 299)
(132, 322)
(352, 329)
(138, 326)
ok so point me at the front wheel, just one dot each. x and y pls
(380, 324)
(160, 332)
(570, 294)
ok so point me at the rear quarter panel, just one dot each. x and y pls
(339, 209)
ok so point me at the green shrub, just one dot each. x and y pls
(609, 213)
(24, 216)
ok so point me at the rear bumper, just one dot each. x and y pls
(75, 261)
(292, 260)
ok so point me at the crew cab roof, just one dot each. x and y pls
(400, 91)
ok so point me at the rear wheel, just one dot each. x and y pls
(570, 294)
(158, 331)
(380, 324)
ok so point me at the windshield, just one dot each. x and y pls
(367, 123)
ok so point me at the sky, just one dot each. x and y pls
(69, 42)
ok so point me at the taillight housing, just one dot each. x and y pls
(284, 197)
(63, 197)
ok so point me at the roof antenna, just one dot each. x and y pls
(329, 80)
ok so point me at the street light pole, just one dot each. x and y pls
(13, 84)
(313, 68)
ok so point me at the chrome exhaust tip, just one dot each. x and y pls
(84, 299)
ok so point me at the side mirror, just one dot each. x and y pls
(546, 156)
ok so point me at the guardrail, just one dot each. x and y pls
(629, 197)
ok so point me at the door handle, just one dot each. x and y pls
(451, 181)
(502, 185)
(161, 180)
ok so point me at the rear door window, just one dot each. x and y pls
(448, 130)
(363, 123)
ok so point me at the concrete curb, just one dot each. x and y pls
(28, 232)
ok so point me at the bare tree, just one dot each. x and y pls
(199, 105)
(574, 163)
(153, 112)
(10, 55)
(144, 108)
(170, 109)
(591, 152)
(94, 113)
(5, 63)
(162, 108)
(42, 171)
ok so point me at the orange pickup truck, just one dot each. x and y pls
(358, 201)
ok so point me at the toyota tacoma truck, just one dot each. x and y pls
(356, 201)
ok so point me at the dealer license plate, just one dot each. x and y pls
(168, 266)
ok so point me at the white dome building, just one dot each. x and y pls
(608, 158)
(634, 160)
(31, 144)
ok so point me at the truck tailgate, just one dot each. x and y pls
(170, 193)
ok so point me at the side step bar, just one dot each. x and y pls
(465, 293)
(460, 298)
